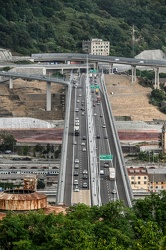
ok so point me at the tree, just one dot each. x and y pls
(40, 185)
(7, 141)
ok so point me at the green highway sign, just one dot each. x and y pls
(106, 157)
(93, 71)
(94, 86)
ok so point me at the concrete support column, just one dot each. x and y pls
(10, 83)
(155, 86)
(48, 96)
(96, 65)
(111, 68)
(133, 74)
(62, 71)
(158, 78)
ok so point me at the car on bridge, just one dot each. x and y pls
(76, 173)
(76, 161)
(85, 176)
(75, 182)
(76, 189)
(85, 171)
(85, 185)
(76, 166)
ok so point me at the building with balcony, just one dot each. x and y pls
(96, 47)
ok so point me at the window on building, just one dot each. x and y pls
(156, 187)
(144, 177)
(139, 182)
(139, 177)
(161, 182)
(156, 182)
(132, 182)
(132, 177)
(162, 187)
(144, 182)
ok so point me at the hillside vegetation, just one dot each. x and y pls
(60, 25)
(109, 227)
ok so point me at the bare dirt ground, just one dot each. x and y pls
(131, 99)
(28, 99)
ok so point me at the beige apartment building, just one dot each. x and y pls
(138, 178)
(96, 47)
(147, 179)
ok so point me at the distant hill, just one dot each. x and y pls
(60, 25)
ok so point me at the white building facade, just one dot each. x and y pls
(96, 47)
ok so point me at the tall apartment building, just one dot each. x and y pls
(96, 47)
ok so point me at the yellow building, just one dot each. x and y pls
(147, 179)
(157, 179)
(139, 178)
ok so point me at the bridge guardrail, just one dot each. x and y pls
(126, 182)
(62, 170)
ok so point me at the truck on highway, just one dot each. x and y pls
(112, 173)
(76, 130)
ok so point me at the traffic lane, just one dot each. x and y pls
(101, 149)
(69, 160)
(119, 180)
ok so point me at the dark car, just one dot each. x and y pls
(84, 138)
(85, 176)
(75, 173)
(98, 136)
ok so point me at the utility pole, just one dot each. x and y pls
(133, 41)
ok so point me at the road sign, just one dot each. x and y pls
(106, 157)
(93, 71)
(94, 86)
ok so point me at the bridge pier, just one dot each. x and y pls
(156, 79)
(111, 68)
(62, 71)
(133, 74)
(10, 83)
(48, 96)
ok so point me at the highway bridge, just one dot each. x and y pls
(84, 177)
